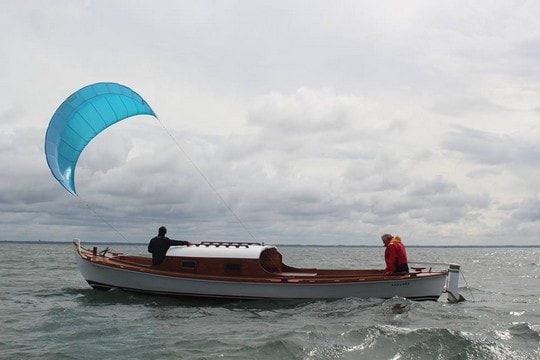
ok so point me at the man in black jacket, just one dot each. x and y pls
(160, 244)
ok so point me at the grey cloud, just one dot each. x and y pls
(397, 126)
(433, 201)
(306, 111)
(528, 211)
(290, 203)
(491, 148)
(529, 51)
(530, 47)
(439, 215)
(383, 172)
(23, 159)
(11, 116)
(483, 173)
(431, 187)
(105, 153)
(461, 106)
(313, 124)
(508, 206)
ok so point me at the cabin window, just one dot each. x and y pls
(233, 268)
(189, 264)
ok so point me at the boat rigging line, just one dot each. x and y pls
(468, 287)
(86, 204)
(206, 179)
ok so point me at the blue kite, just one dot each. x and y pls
(80, 118)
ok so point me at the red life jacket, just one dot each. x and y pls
(396, 256)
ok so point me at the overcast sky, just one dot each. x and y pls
(318, 122)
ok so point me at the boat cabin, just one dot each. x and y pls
(220, 258)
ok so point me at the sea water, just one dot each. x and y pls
(47, 311)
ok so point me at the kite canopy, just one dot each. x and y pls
(82, 116)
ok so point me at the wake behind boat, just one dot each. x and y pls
(253, 271)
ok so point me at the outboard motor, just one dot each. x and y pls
(452, 281)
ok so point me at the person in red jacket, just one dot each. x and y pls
(395, 255)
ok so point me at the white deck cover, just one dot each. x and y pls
(212, 251)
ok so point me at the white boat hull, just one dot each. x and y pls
(104, 277)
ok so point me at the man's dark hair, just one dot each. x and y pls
(162, 231)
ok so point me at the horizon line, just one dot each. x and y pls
(291, 245)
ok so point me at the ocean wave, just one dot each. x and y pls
(272, 349)
(526, 331)
(387, 342)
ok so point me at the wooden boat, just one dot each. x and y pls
(253, 271)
